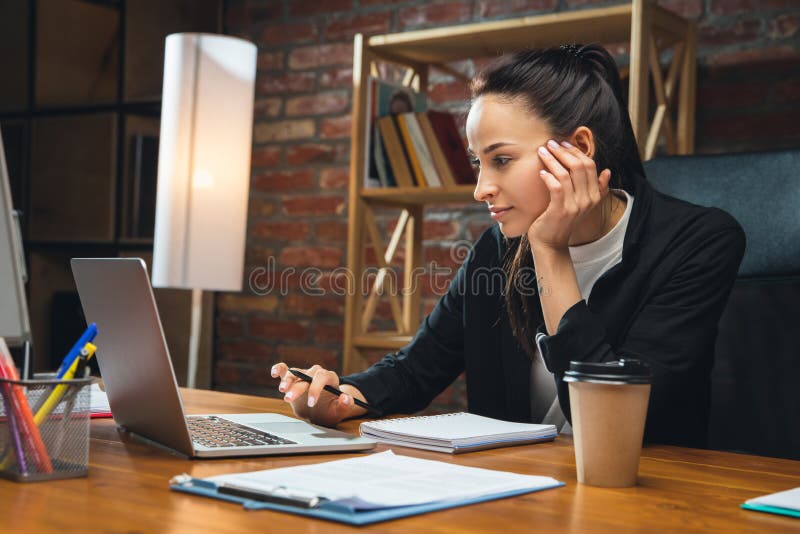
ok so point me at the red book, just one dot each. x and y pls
(444, 125)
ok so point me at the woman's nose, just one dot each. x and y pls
(485, 189)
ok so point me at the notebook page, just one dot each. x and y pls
(386, 479)
(453, 426)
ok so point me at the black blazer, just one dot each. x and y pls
(661, 303)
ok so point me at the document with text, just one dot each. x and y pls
(386, 480)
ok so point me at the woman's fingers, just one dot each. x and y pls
(557, 170)
(281, 370)
(305, 397)
(603, 182)
(582, 170)
(588, 188)
(322, 378)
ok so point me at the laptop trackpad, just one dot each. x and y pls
(298, 427)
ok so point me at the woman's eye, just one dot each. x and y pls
(501, 161)
(475, 162)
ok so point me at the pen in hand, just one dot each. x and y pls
(330, 389)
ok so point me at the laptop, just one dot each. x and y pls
(140, 382)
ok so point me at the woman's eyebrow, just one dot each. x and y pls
(495, 146)
(492, 147)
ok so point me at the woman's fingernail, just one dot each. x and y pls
(345, 399)
(543, 151)
(281, 386)
(566, 144)
(274, 372)
(311, 402)
(542, 172)
(289, 395)
(552, 144)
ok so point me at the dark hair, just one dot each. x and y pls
(566, 87)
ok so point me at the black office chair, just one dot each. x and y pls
(755, 406)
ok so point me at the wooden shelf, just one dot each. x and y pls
(418, 196)
(488, 39)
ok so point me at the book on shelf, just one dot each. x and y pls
(384, 98)
(446, 130)
(411, 153)
(384, 170)
(408, 151)
(422, 150)
(394, 152)
(455, 432)
(437, 155)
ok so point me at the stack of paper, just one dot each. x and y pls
(99, 403)
(365, 489)
(456, 432)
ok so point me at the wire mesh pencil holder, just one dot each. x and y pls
(44, 428)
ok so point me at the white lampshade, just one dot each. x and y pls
(204, 162)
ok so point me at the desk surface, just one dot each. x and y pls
(126, 490)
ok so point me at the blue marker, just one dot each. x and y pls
(74, 352)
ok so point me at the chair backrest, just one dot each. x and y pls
(755, 406)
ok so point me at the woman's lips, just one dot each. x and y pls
(498, 213)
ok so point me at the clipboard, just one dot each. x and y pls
(346, 491)
(340, 512)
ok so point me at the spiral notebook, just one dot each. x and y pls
(455, 432)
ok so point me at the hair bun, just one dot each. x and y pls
(572, 49)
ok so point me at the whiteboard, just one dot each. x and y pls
(14, 325)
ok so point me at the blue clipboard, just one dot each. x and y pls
(343, 513)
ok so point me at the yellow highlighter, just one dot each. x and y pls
(52, 401)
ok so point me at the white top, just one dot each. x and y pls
(593, 259)
(590, 261)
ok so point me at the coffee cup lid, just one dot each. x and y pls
(623, 371)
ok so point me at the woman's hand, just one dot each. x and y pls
(311, 401)
(575, 189)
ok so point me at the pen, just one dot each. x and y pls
(279, 496)
(330, 389)
(15, 431)
(29, 432)
(58, 392)
(74, 352)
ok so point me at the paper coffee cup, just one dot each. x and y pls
(608, 402)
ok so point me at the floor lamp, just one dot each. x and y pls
(203, 169)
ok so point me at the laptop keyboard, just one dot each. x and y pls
(217, 432)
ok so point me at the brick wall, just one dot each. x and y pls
(748, 98)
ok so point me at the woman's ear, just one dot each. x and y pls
(583, 139)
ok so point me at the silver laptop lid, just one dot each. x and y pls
(116, 294)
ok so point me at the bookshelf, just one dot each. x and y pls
(652, 32)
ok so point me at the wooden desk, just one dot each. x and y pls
(126, 491)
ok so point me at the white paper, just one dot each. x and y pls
(99, 400)
(386, 479)
(784, 499)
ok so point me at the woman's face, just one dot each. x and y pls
(503, 140)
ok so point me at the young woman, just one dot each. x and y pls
(597, 265)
